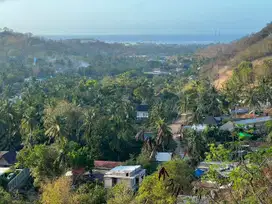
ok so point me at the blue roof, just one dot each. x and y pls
(199, 172)
(125, 168)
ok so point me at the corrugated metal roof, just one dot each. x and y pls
(163, 156)
(253, 121)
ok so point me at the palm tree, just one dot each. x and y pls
(28, 123)
(195, 144)
(164, 134)
(163, 138)
(9, 126)
(252, 98)
(265, 90)
(55, 127)
(88, 123)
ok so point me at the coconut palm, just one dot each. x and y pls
(164, 134)
(28, 123)
(195, 143)
(9, 136)
(55, 127)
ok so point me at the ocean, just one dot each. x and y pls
(158, 39)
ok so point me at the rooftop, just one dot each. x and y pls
(163, 156)
(253, 121)
(106, 164)
(124, 169)
(142, 108)
(9, 156)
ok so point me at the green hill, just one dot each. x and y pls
(228, 56)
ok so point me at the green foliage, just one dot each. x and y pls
(80, 157)
(248, 182)
(8, 198)
(90, 193)
(201, 99)
(218, 153)
(155, 190)
(42, 162)
(60, 191)
(120, 193)
(143, 159)
(5, 197)
(196, 144)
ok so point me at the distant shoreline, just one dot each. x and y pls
(154, 39)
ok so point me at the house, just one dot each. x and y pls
(98, 171)
(229, 126)
(15, 178)
(198, 128)
(163, 156)
(132, 176)
(142, 112)
(211, 120)
(7, 158)
(222, 168)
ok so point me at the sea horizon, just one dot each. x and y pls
(155, 39)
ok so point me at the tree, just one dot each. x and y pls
(249, 182)
(9, 120)
(63, 120)
(80, 157)
(268, 126)
(90, 193)
(155, 190)
(120, 193)
(28, 125)
(5, 196)
(57, 192)
(60, 191)
(164, 134)
(196, 145)
(218, 153)
(42, 162)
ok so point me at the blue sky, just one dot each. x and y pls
(135, 16)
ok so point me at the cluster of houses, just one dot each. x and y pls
(111, 173)
(239, 117)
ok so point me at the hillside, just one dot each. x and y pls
(18, 44)
(225, 57)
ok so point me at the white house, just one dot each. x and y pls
(130, 175)
(142, 112)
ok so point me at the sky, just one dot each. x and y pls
(145, 17)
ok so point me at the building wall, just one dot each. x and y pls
(142, 114)
(107, 182)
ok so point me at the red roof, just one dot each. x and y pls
(78, 171)
(106, 164)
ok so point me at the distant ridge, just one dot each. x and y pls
(225, 57)
(158, 39)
